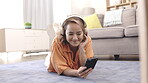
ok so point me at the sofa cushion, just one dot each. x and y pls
(137, 16)
(113, 17)
(101, 17)
(128, 18)
(106, 32)
(92, 21)
(131, 31)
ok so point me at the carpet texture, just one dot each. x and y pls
(104, 72)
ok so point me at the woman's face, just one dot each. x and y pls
(74, 34)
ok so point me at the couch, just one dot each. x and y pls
(121, 39)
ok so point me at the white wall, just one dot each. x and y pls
(78, 5)
(99, 5)
(61, 8)
(11, 15)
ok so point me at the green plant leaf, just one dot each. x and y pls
(27, 24)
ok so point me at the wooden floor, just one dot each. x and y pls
(16, 58)
(10, 58)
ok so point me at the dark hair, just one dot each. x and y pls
(76, 20)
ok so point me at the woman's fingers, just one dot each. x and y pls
(85, 73)
(80, 70)
(84, 43)
(86, 39)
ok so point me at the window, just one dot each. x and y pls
(11, 15)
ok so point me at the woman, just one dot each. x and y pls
(71, 49)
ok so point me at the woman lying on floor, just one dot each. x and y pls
(71, 49)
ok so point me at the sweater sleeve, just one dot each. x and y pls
(57, 61)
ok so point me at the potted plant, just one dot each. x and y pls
(27, 25)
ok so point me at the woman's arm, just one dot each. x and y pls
(82, 56)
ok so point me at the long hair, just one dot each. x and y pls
(76, 20)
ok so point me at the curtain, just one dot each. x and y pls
(38, 13)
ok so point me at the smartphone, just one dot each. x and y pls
(90, 63)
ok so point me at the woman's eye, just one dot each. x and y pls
(70, 34)
(79, 34)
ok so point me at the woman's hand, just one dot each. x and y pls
(82, 44)
(82, 73)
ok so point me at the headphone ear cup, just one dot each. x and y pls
(62, 32)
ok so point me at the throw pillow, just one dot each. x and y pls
(92, 21)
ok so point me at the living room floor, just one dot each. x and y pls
(121, 57)
(10, 58)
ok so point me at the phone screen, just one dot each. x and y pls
(90, 63)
